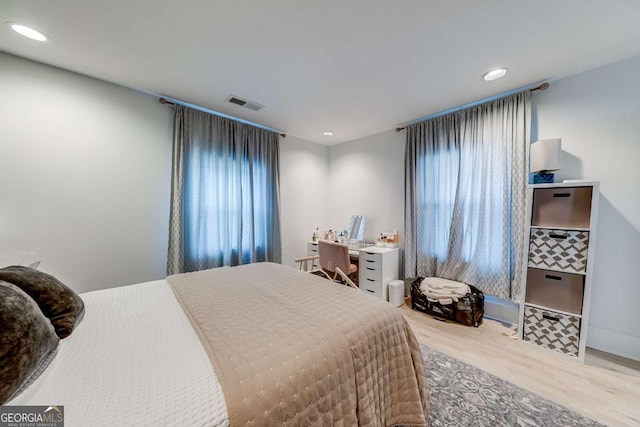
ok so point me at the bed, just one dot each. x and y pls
(286, 348)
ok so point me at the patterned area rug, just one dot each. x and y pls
(463, 395)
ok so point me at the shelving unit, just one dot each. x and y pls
(556, 295)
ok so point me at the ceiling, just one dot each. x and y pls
(355, 67)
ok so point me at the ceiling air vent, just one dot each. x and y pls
(244, 103)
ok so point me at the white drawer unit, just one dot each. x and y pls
(371, 287)
(377, 267)
(370, 258)
(556, 292)
(312, 249)
(371, 273)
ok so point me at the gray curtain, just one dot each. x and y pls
(465, 185)
(224, 193)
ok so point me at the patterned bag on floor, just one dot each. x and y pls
(468, 310)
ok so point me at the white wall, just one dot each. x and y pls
(597, 115)
(367, 178)
(304, 194)
(85, 169)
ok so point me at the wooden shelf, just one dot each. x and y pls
(549, 227)
(557, 270)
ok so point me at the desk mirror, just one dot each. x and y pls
(356, 227)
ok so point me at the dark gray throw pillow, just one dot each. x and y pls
(58, 302)
(27, 339)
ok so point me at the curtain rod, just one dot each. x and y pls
(542, 87)
(165, 101)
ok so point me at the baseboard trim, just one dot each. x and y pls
(624, 345)
(501, 310)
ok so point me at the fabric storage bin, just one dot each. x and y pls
(564, 250)
(567, 207)
(556, 331)
(556, 290)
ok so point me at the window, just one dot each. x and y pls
(227, 210)
(224, 193)
(479, 212)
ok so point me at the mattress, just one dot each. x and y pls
(134, 360)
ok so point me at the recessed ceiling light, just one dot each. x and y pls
(27, 32)
(327, 133)
(494, 74)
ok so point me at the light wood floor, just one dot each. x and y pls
(605, 388)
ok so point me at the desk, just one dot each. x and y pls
(377, 266)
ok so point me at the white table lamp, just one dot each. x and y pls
(546, 157)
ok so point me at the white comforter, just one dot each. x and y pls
(134, 360)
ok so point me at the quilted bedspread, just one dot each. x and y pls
(290, 348)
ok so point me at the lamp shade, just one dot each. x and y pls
(546, 155)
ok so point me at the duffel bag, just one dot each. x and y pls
(468, 310)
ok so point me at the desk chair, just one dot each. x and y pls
(303, 264)
(334, 257)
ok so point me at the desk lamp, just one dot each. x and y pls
(545, 159)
